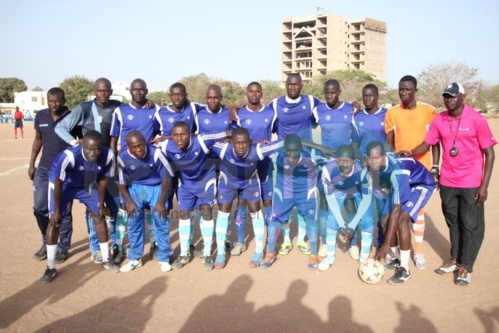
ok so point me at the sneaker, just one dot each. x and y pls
(285, 248)
(41, 254)
(118, 257)
(269, 260)
(389, 257)
(153, 251)
(419, 261)
(228, 246)
(49, 275)
(111, 266)
(304, 248)
(256, 260)
(237, 249)
(323, 251)
(395, 263)
(165, 266)
(96, 257)
(325, 264)
(401, 275)
(463, 277)
(131, 265)
(313, 262)
(180, 262)
(61, 256)
(208, 264)
(220, 262)
(354, 252)
(193, 252)
(448, 268)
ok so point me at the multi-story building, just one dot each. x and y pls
(314, 45)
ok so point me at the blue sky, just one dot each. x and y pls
(43, 42)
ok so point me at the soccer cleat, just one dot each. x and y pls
(325, 264)
(61, 256)
(180, 262)
(153, 251)
(313, 262)
(49, 275)
(419, 261)
(237, 249)
(208, 264)
(228, 246)
(463, 277)
(256, 260)
(400, 276)
(323, 251)
(285, 248)
(118, 257)
(389, 257)
(131, 265)
(165, 266)
(193, 252)
(353, 251)
(448, 268)
(220, 262)
(268, 261)
(395, 263)
(96, 257)
(304, 248)
(41, 254)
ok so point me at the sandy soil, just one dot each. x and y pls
(286, 297)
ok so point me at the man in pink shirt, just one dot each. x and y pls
(466, 138)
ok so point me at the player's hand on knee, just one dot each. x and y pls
(161, 210)
(131, 209)
(55, 220)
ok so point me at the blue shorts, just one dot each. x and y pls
(418, 198)
(90, 198)
(251, 192)
(307, 206)
(265, 173)
(199, 193)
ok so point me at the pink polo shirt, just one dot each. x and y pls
(466, 169)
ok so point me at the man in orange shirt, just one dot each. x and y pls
(18, 122)
(405, 125)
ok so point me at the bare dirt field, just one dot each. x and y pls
(285, 298)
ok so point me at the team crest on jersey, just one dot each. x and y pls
(285, 109)
(340, 183)
(226, 122)
(286, 167)
(232, 161)
(248, 121)
(81, 168)
(206, 121)
(382, 123)
(196, 153)
(361, 123)
(256, 194)
(345, 117)
(178, 156)
(98, 168)
(150, 117)
(129, 117)
(328, 117)
(304, 107)
(266, 120)
(311, 211)
(188, 117)
(99, 119)
(133, 167)
(171, 120)
(151, 165)
(410, 204)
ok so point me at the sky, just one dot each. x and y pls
(44, 42)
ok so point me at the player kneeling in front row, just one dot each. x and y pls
(79, 173)
(144, 179)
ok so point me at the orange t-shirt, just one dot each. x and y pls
(410, 128)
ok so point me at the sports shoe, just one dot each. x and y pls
(41, 254)
(220, 262)
(131, 265)
(111, 266)
(195, 252)
(323, 251)
(49, 275)
(256, 260)
(208, 264)
(237, 249)
(118, 257)
(269, 260)
(96, 257)
(165, 266)
(285, 248)
(180, 262)
(448, 268)
(325, 264)
(389, 257)
(401, 275)
(353, 251)
(228, 246)
(313, 261)
(153, 251)
(463, 277)
(61, 256)
(395, 263)
(304, 248)
(419, 261)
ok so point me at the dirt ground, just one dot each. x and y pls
(285, 298)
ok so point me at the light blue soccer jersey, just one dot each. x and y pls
(341, 186)
(166, 117)
(208, 122)
(296, 180)
(336, 124)
(368, 128)
(260, 124)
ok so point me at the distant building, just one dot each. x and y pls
(31, 100)
(316, 44)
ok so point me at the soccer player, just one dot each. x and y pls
(466, 139)
(79, 173)
(411, 186)
(238, 173)
(144, 179)
(406, 126)
(197, 186)
(341, 179)
(18, 118)
(47, 141)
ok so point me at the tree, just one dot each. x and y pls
(77, 89)
(196, 88)
(434, 78)
(37, 88)
(390, 96)
(8, 86)
(271, 89)
(161, 98)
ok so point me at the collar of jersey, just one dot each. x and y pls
(293, 101)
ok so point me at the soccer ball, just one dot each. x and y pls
(371, 271)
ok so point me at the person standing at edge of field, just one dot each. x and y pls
(47, 141)
(466, 138)
(18, 118)
(406, 126)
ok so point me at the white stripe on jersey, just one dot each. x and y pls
(159, 155)
(68, 160)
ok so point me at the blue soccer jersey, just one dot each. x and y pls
(127, 118)
(338, 185)
(148, 170)
(260, 124)
(208, 122)
(368, 128)
(336, 124)
(166, 117)
(295, 180)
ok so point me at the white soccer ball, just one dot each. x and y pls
(371, 271)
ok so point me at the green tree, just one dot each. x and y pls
(8, 86)
(196, 88)
(271, 89)
(37, 88)
(390, 96)
(77, 89)
(161, 98)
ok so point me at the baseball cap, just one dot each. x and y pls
(454, 89)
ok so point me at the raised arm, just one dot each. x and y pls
(68, 123)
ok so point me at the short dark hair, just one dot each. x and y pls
(56, 91)
(409, 78)
(294, 74)
(292, 138)
(181, 123)
(240, 131)
(371, 86)
(345, 151)
(332, 82)
(374, 144)
(254, 83)
(93, 135)
(179, 86)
